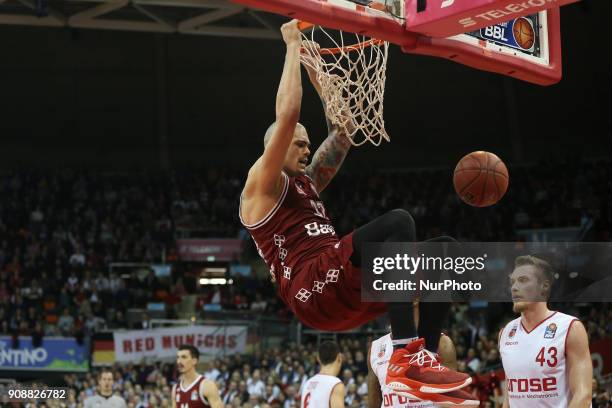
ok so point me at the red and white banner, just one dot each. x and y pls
(133, 346)
(202, 250)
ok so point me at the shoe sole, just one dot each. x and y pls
(401, 388)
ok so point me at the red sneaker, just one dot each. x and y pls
(457, 398)
(413, 368)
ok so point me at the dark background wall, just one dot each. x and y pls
(103, 98)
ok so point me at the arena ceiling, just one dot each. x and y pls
(199, 17)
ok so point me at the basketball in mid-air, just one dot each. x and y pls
(523, 33)
(481, 179)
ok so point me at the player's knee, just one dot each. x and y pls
(401, 224)
(401, 217)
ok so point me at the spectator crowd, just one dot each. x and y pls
(60, 231)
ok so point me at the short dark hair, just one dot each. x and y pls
(328, 351)
(193, 350)
(104, 371)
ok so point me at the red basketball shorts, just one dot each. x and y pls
(326, 293)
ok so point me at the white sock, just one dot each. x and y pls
(403, 342)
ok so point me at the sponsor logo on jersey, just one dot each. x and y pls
(381, 351)
(546, 384)
(194, 395)
(550, 331)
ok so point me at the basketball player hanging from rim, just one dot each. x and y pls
(317, 274)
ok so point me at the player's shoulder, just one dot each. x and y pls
(379, 347)
(338, 387)
(382, 340)
(564, 316)
(511, 325)
(206, 381)
(380, 343)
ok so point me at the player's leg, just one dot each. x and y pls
(410, 367)
(433, 315)
(399, 226)
(394, 226)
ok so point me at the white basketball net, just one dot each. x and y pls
(352, 80)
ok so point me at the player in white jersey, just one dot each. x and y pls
(325, 389)
(545, 353)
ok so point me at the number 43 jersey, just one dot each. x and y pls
(294, 231)
(534, 362)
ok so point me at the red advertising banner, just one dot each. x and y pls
(132, 346)
(202, 250)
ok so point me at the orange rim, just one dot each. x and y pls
(303, 25)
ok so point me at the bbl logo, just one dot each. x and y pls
(550, 331)
(512, 332)
(524, 34)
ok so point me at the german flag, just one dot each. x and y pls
(103, 352)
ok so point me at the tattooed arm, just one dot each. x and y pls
(330, 155)
(328, 158)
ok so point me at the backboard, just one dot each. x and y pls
(526, 46)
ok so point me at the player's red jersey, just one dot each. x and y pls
(188, 395)
(294, 231)
(310, 264)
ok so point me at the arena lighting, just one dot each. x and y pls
(214, 270)
(216, 281)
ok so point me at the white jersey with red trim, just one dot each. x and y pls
(380, 353)
(317, 391)
(534, 362)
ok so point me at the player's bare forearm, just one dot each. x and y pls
(580, 401)
(289, 95)
(580, 376)
(328, 158)
(374, 392)
(506, 404)
(331, 154)
(579, 366)
(336, 399)
(288, 104)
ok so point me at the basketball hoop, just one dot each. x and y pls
(352, 78)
